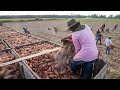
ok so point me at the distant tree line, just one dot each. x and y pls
(37, 17)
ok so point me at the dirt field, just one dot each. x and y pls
(40, 29)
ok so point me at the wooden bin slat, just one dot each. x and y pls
(102, 73)
(28, 57)
(29, 73)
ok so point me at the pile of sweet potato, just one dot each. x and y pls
(5, 56)
(47, 68)
(4, 29)
(17, 39)
(54, 65)
(34, 48)
(2, 46)
(10, 72)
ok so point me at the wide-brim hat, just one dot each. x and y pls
(71, 23)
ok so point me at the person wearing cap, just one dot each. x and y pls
(55, 29)
(108, 43)
(84, 43)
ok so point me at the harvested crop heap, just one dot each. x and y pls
(34, 48)
(54, 65)
(10, 72)
(47, 68)
(17, 39)
(2, 29)
(25, 45)
(2, 46)
(6, 56)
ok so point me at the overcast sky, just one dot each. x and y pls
(107, 13)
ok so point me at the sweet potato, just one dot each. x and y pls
(8, 76)
(51, 76)
(56, 65)
(2, 72)
(50, 73)
(48, 60)
(50, 63)
(63, 72)
(57, 74)
(9, 72)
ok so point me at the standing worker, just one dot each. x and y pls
(98, 31)
(108, 44)
(49, 28)
(84, 42)
(55, 29)
(99, 36)
(102, 28)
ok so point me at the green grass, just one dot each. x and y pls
(115, 74)
(78, 19)
(97, 20)
(26, 19)
(17, 20)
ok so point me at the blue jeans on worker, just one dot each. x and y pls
(98, 40)
(107, 50)
(87, 67)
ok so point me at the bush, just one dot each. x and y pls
(36, 18)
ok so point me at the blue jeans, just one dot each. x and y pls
(107, 50)
(98, 40)
(87, 67)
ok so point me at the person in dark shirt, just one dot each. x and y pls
(99, 36)
(26, 31)
(115, 27)
(102, 28)
(98, 31)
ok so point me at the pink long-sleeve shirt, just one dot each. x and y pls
(85, 45)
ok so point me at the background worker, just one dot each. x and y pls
(115, 27)
(108, 43)
(98, 31)
(99, 37)
(102, 28)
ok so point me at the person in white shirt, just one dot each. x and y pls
(108, 42)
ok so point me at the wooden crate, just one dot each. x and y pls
(27, 72)
(30, 74)
(8, 50)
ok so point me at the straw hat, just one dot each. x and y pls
(71, 23)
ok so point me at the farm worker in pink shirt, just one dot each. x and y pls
(84, 42)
